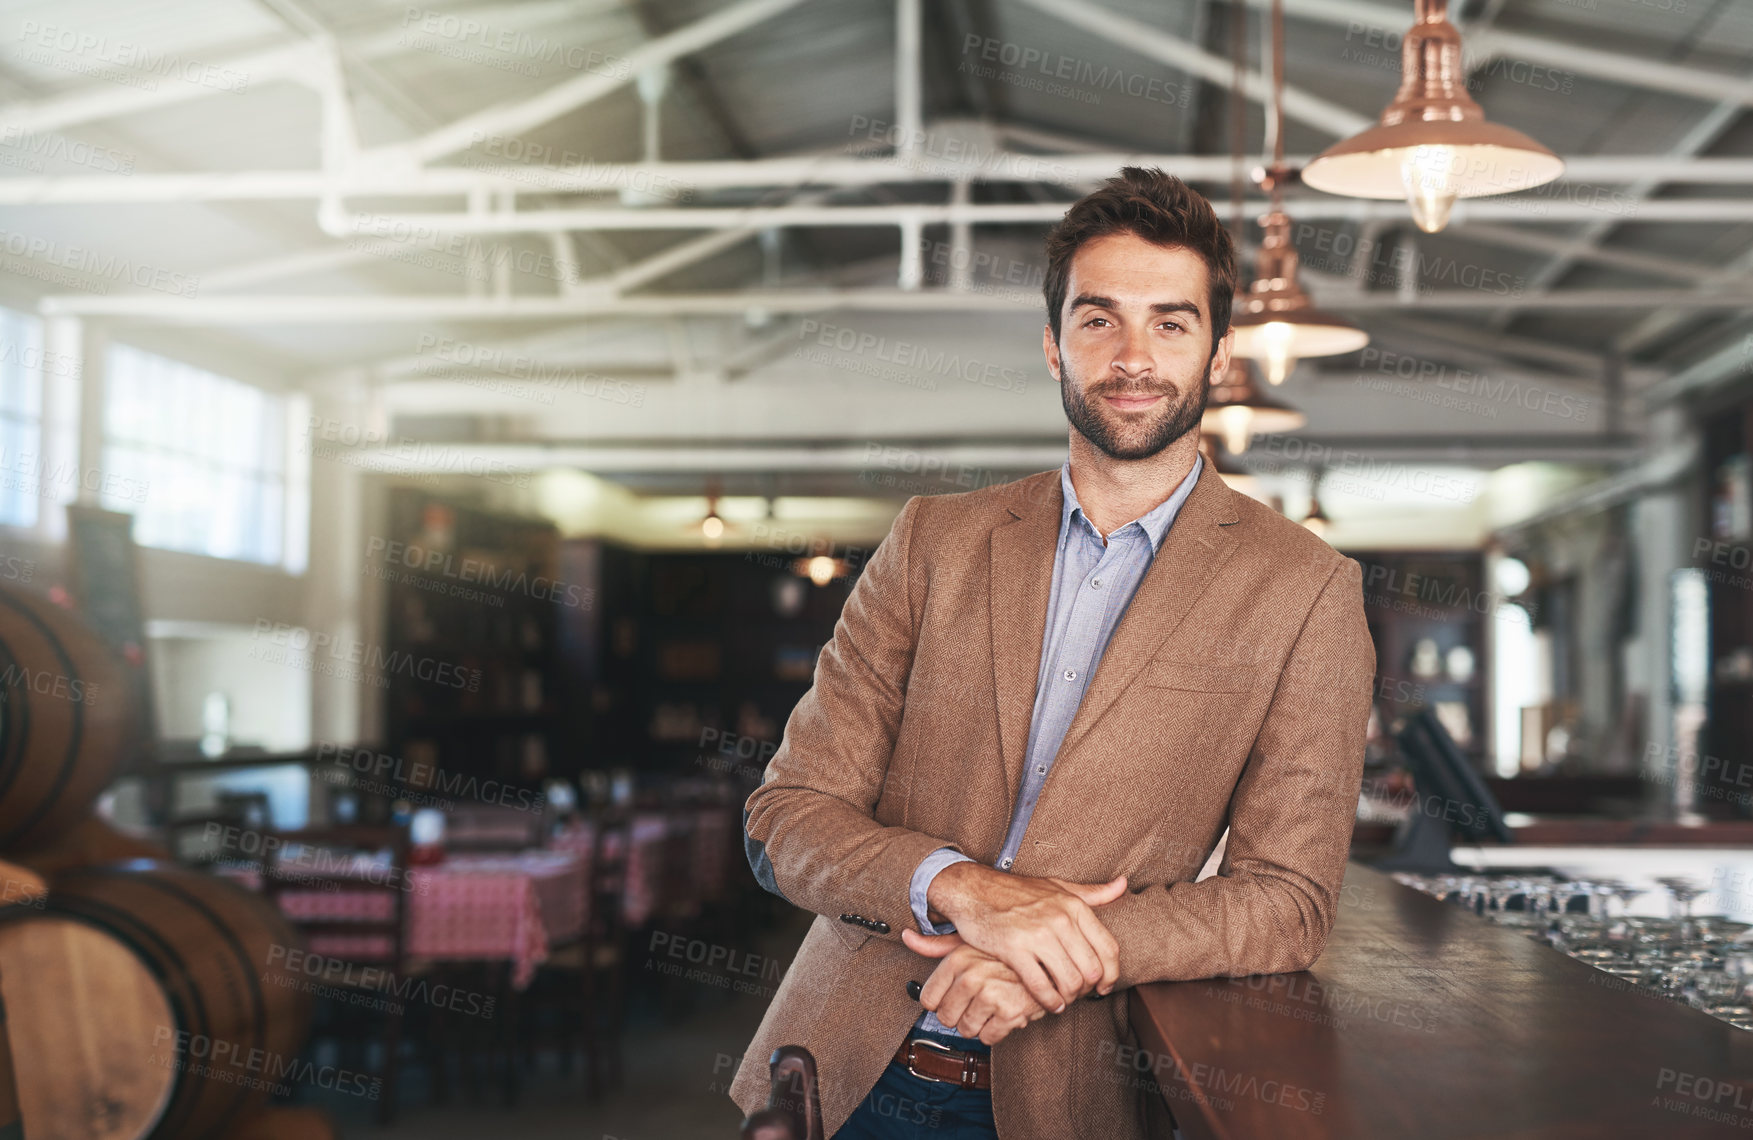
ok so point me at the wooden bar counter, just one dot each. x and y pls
(1423, 1020)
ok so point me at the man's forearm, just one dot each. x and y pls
(1274, 901)
(932, 921)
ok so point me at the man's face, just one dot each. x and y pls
(1134, 357)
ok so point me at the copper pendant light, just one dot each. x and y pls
(1433, 144)
(1275, 322)
(1237, 410)
(1316, 521)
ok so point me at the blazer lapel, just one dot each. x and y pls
(1197, 545)
(1023, 547)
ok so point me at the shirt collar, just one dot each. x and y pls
(1155, 522)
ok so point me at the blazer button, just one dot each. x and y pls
(880, 927)
(852, 918)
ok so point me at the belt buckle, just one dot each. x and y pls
(969, 1073)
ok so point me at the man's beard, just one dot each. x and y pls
(1121, 436)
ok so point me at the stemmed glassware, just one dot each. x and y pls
(1683, 891)
(1694, 959)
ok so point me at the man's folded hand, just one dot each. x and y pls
(971, 991)
(1045, 930)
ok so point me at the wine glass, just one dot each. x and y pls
(1624, 892)
(1682, 890)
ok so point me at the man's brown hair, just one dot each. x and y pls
(1162, 210)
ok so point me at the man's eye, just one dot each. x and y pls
(1172, 325)
(1093, 320)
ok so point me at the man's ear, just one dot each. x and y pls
(1050, 349)
(1220, 359)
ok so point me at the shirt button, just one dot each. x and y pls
(1005, 863)
(1041, 770)
(1096, 583)
(1071, 674)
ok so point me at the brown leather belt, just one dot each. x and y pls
(926, 1058)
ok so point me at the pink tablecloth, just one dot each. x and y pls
(473, 907)
(497, 906)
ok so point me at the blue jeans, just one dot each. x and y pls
(904, 1107)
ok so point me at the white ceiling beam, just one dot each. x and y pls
(1404, 344)
(1525, 348)
(1006, 166)
(515, 118)
(302, 309)
(1539, 241)
(286, 61)
(1153, 43)
(909, 102)
(1701, 135)
(1658, 324)
(108, 100)
(1616, 67)
(337, 256)
(1726, 362)
(1535, 210)
(399, 39)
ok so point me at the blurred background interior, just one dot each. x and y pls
(457, 429)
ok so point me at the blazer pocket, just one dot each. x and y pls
(1200, 676)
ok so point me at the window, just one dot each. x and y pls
(21, 417)
(200, 460)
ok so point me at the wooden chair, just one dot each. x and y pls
(199, 840)
(794, 1110)
(493, 827)
(594, 967)
(364, 926)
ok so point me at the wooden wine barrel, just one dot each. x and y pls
(148, 1000)
(67, 716)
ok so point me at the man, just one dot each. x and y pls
(1042, 705)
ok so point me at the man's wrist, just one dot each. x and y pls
(948, 890)
(929, 868)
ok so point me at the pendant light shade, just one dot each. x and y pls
(1275, 322)
(1432, 144)
(1237, 410)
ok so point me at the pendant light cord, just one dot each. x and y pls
(1238, 110)
(1275, 120)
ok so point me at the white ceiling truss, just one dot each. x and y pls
(554, 203)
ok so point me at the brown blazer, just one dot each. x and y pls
(1235, 692)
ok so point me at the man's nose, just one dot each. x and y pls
(1132, 355)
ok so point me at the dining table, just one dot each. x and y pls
(510, 907)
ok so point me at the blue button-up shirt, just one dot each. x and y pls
(1093, 583)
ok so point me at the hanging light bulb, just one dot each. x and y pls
(1235, 426)
(1316, 521)
(1432, 143)
(1277, 341)
(1236, 410)
(1431, 185)
(1276, 324)
(712, 526)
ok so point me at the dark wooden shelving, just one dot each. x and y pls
(699, 635)
(487, 613)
